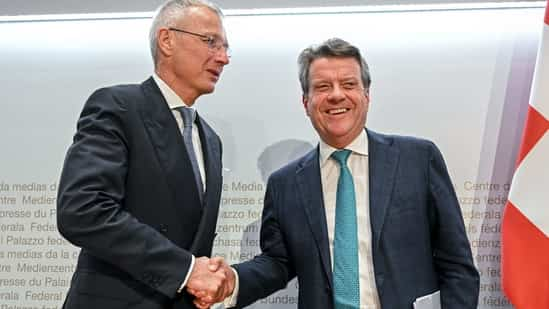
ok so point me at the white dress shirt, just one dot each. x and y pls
(329, 173)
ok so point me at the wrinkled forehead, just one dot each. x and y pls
(340, 66)
(204, 20)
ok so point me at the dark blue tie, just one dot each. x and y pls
(189, 115)
(345, 276)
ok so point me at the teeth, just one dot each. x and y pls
(337, 111)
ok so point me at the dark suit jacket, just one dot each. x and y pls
(419, 242)
(127, 196)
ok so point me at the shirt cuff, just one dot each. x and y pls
(187, 276)
(231, 300)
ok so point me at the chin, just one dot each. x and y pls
(207, 90)
(340, 133)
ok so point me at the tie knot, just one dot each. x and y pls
(341, 156)
(188, 115)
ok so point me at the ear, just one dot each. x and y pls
(305, 101)
(165, 42)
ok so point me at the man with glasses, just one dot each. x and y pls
(141, 183)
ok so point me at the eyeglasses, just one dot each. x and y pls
(215, 44)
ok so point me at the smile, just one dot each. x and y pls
(337, 111)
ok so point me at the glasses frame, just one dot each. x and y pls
(211, 41)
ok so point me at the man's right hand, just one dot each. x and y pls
(211, 281)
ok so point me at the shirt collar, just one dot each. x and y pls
(173, 100)
(358, 146)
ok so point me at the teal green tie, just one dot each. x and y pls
(345, 276)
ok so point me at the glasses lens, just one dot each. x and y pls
(217, 45)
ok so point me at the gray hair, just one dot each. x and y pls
(169, 13)
(331, 48)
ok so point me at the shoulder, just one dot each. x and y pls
(403, 143)
(118, 93)
(118, 99)
(110, 106)
(292, 168)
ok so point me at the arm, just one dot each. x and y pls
(91, 210)
(458, 277)
(271, 270)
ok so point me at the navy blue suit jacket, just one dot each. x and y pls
(128, 198)
(419, 242)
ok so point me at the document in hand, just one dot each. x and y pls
(430, 301)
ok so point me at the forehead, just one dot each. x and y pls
(202, 19)
(334, 66)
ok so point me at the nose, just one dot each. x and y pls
(336, 93)
(222, 56)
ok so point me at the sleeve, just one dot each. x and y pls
(271, 270)
(90, 206)
(184, 283)
(231, 300)
(458, 277)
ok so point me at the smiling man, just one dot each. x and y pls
(141, 183)
(365, 220)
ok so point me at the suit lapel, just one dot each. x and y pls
(168, 143)
(212, 153)
(382, 162)
(212, 165)
(310, 191)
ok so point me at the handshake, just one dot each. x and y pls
(211, 281)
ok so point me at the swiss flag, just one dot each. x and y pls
(525, 232)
